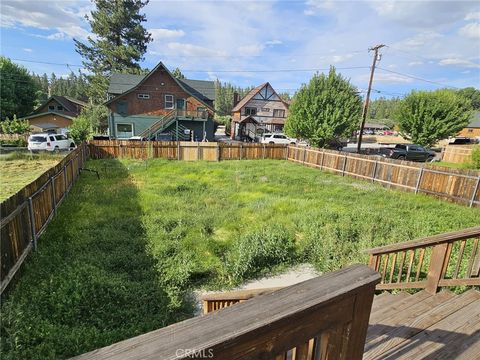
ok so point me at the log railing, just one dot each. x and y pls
(322, 318)
(449, 259)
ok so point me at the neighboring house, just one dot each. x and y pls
(55, 115)
(261, 108)
(375, 127)
(160, 106)
(472, 130)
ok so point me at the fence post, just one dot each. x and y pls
(32, 223)
(178, 149)
(241, 151)
(304, 155)
(52, 180)
(263, 155)
(419, 180)
(287, 151)
(321, 162)
(65, 179)
(374, 171)
(344, 165)
(434, 274)
(198, 151)
(218, 151)
(472, 200)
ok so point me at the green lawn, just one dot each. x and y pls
(18, 170)
(124, 251)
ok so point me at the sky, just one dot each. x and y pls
(430, 44)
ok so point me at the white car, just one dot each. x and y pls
(49, 142)
(277, 138)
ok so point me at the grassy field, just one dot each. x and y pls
(18, 170)
(124, 252)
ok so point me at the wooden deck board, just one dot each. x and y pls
(448, 328)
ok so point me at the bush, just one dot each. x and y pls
(476, 158)
(14, 143)
(259, 250)
(15, 126)
(81, 129)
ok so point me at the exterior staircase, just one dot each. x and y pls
(159, 125)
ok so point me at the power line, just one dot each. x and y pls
(417, 78)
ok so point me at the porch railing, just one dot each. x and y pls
(449, 259)
(322, 318)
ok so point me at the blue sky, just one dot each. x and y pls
(250, 42)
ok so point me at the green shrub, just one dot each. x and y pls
(476, 158)
(15, 126)
(260, 250)
(14, 143)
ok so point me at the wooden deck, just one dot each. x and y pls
(424, 326)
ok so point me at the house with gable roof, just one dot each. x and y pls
(55, 115)
(261, 109)
(158, 106)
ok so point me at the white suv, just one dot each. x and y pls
(49, 142)
(277, 138)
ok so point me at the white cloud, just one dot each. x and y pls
(252, 49)
(27, 50)
(471, 30)
(459, 62)
(415, 63)
(473, 16)
(341, 58)
(65, 18)
(184, 49)
(273, 42)
(420, 39)
(158, 34)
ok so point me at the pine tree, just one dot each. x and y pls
(120, 43)
(178, 73)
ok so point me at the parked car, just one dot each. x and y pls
(337, 144)
(49, 142)
(410, 152)
(461, 141)
(276, 138)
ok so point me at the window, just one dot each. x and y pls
(122, 108)
(265, 109)
(60, 107)
(250, 111)
(143, 96)
(51, 107)
(60, 137)
(51, 138)
(279, 136)
(279, 113)
(169, 102)
(40, 139)
(124, 130)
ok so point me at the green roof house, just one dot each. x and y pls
(158, 106)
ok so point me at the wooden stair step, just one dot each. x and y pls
(386, 298)
(397, 335)
(396, 318)
(397, 306)
(457, 336)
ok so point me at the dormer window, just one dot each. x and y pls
(51, 107)
(60, 108)
(143, 96)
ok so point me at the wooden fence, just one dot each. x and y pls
(26, 214)
(458, 185)
(458, 154)
(184, 150)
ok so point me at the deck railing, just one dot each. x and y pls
(449, 259)
(322, 318)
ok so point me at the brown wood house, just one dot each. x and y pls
(160, 106)
(55, 115)
(260, 110)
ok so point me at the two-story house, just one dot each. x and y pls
(160, 106)
(55, 115)
(261, 108)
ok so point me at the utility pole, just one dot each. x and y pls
(367, 99)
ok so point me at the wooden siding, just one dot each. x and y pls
(469, 132)
(155, 106)
(53, 119)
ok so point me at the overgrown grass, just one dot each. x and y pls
(123, 253)
(19, 169)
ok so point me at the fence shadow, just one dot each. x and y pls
(92, 281)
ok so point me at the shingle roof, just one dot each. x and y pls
(120, 83)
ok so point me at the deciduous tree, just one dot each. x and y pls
(424, 117)
(326, 108)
